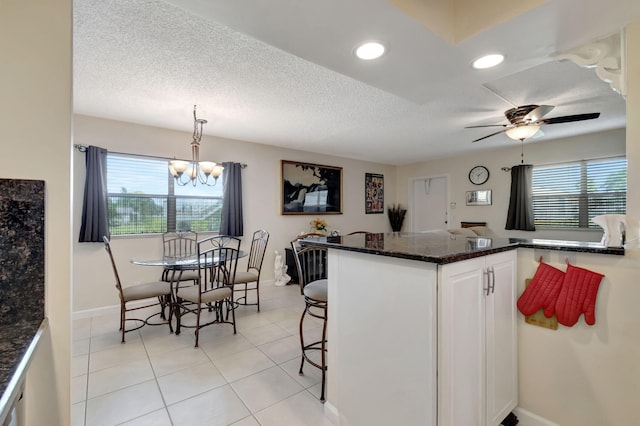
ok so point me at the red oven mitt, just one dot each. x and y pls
(542, 292)
(578, 295)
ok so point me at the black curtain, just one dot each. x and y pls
(231, 222)
(95, 219)
(520, 215)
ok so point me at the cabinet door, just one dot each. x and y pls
(461, 348)
(501, 337)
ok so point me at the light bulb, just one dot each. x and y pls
(369, 51)
(207, 167)
(488, 61)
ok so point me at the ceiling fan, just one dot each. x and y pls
(525, 121)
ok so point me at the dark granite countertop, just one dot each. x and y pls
(562, 245)
(442, 248)
(17, 343)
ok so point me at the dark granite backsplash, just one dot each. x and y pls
(21, 250)
(21, 277)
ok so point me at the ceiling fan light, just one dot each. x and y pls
(488, 61)
(519, 133)
(370, 50)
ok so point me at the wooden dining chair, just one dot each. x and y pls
(211, 301)
(243, 279)
(159, 293)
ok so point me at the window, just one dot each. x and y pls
(570, 195)
(143, 198)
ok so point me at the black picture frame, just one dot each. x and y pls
(373, 193)
(310, 189)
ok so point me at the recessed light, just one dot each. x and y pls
(488, 61)
(370, 50)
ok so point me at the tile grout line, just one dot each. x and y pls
(86, 391)
(155, 378)
(271, 321)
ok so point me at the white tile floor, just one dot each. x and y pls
(156, 378)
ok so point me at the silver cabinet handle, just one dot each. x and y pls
(492, 280)
(488, 281)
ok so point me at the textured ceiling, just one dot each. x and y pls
(282, 73)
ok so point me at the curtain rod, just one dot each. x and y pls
(506, 169)
(83, 148)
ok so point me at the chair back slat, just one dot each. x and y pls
(217, 261)
(258, 249)
(179, 244)
(311, 262)
(219, 241)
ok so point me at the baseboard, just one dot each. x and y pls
(267, 282)
(527, 418)
(106, 310)
(330, 412)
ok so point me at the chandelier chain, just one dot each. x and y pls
(196, 170)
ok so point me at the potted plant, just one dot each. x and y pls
(396, 215)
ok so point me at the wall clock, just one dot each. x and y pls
(478, 175)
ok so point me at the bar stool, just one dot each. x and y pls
(295, 247)
(311, 262)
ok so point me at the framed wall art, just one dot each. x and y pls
(309, 188)
(373, 193)
(479, 198)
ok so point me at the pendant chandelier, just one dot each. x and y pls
(195, 171)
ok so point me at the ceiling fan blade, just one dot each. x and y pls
(486, 125)
(569, 118)
(492, 134)
(538, 113)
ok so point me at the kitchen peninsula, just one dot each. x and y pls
(422, 327)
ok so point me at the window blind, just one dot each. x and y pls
(143, 198)
(569, 195)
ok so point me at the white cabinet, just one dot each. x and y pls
(382, 364)
(419, 344)
(477, 340)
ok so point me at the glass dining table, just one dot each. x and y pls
(178, 265)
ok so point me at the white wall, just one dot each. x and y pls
(35, 130)
(93, 279)
(584, 375)
(595, 145)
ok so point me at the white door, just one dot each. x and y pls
(429, 208)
